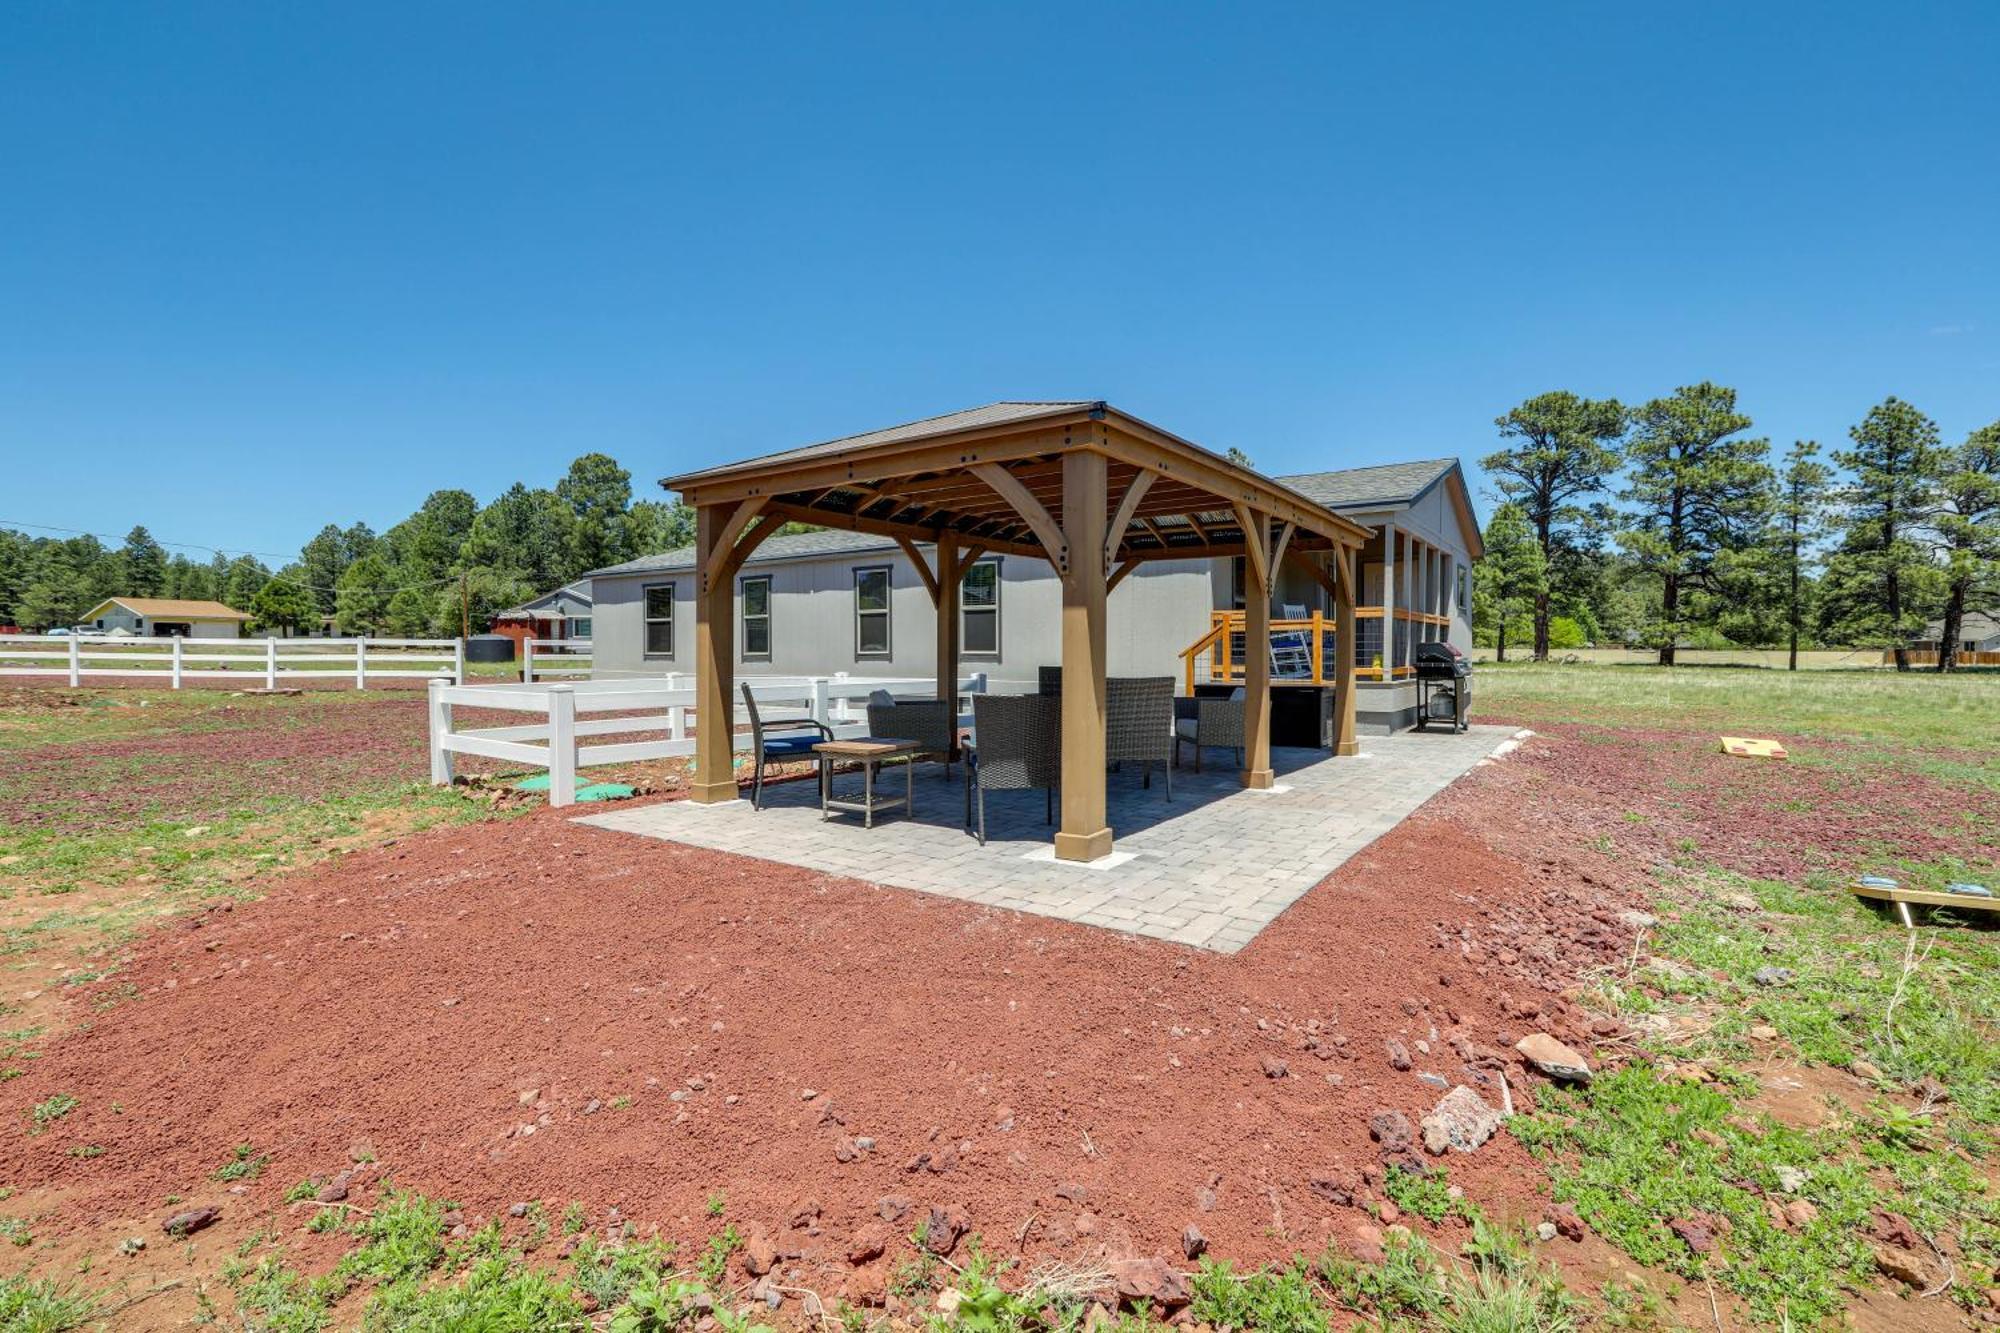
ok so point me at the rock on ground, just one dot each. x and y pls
(1461, 1120)
(1553, 1058)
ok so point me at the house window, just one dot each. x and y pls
(757, 618)
(871, 611)
(579, 628)
(1464, 590)
(979, 610)
(659, 620)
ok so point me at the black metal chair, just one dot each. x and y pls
(1049, 680)
(1216, 722)
(932, 723)
(1017, 747)
(1139, 724)
(778, 749)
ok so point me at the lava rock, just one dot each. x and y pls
(759, 1254)
(1772, 976)
(1274, 1067)
(1693, 1233)
(947, 1226)
(1563, 1217)
(1399, 1054)
(868, 1243)
(336, 1189)
(1149, 1280)
(191, 1221)
(1193, 1243)
(1391, 1129)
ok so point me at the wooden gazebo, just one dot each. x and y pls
(1081, 484)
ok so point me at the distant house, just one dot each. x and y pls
(562, 614)
(1978, 632)
(166, 618)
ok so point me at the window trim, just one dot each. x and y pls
(999, 582)
(888, 613)
(581, 626)
(743, 618)
(646, 621)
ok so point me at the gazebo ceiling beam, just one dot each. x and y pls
(881, 528)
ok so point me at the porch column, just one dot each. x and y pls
(1258, 578)
(1344, 741)
(948, 580)
(1084, 835)
(1388, 601)
(714, 660)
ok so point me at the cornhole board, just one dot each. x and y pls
(1923, 898)
(1749, 747)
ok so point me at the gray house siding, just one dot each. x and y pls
(1153, 615)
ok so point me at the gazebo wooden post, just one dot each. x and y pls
(1257, 653)
(1344, 741)
(1084, 835)
(949, 579)
(714, 659)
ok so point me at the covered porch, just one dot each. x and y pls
(1095, 492)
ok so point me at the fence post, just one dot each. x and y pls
(820, 710)
(528, 660)
(440, 710)
(458, 661)
(75, 662)
(270, 663)
(562, 744)
(176, 641)
(361, 664)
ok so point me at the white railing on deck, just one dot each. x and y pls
(558, 657)
(173, 661)
(559, 739)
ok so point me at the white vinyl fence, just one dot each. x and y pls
(173, 661)
(568, 716)
(554, 657)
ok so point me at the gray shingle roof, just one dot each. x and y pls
(1366, 487)
(993, 414)
(1972, 625)
(798, 546)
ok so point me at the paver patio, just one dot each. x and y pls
(1210, 868)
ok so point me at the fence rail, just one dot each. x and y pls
(558, 657)
(1928, 657)
(80, 658)
(569, 713)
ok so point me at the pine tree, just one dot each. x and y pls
(145, 564)
(1968, 532)
(1568, 450)
(1800, 522)
(1511, 578)
(1700, 497)
(1897, 465)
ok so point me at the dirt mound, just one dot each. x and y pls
(540, 1010)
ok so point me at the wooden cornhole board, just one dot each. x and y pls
(1923, 898)
(1749, 747)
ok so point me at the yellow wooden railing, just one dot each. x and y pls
(1225, 667)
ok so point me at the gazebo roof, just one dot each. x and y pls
(965, 473)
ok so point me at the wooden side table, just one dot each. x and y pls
(868, 751)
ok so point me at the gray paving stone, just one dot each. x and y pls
(1211, 869)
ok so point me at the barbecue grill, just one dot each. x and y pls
(1444, 684)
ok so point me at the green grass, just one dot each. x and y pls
(1889, 714)
(44, 1307)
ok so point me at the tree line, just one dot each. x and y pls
(1668, 525)
(448, 567)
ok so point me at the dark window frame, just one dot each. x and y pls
(964, 611)
(887, 612)
(647, 620)
(743, 618)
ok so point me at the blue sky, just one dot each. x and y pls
(265, 266)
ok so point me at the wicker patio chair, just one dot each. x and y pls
(932, 723)
(1139, 724)
(777, 749)
(1049, 679)
(1018, 747)
(1216, 722)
